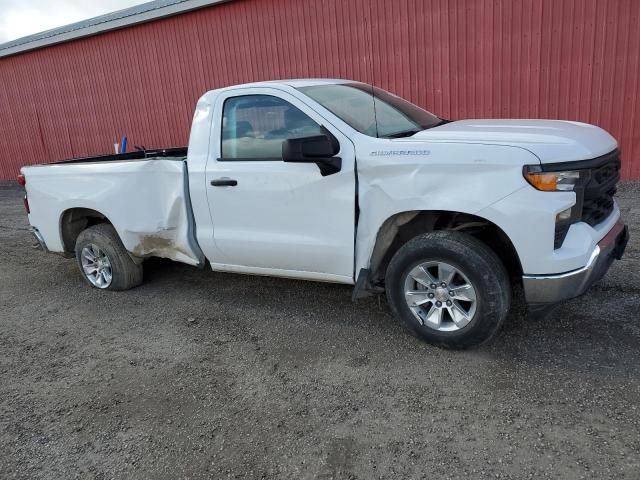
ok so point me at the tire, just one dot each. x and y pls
(99, 242)
(480, 287)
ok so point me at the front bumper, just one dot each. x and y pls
(546, 289)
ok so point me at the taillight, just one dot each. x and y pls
(23, 182)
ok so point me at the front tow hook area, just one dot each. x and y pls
(621, 243)
(549, 289)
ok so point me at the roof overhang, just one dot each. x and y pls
(143, 13)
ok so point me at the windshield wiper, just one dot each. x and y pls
(403, 133)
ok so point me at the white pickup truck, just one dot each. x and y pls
(339, 181)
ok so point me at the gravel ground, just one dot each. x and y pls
(204, 375)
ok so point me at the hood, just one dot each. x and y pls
(550, 140)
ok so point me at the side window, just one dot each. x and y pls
(254, 127)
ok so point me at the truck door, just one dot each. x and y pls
(272, 217)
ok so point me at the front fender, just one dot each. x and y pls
(391, 185)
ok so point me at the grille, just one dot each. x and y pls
(600, 189)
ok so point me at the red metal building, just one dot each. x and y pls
(75, 91)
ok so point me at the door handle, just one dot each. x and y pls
(224, 182)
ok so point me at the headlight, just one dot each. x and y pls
(564, 181)
(554, 178)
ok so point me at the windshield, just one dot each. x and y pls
(372, 111)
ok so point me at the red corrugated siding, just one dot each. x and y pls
(570, 59)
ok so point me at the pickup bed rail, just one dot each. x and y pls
(137, 155)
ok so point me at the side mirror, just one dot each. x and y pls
(319, 149)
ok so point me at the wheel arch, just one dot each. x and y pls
(401, 227)
(73, 221)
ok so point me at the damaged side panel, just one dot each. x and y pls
(164, 226)
(147, 201)
(393, 188)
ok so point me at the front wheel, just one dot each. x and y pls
(103, 260)
(449, 289)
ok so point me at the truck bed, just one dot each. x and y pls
(144, 195)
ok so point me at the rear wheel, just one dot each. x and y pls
(449, 289)
(103, 260)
